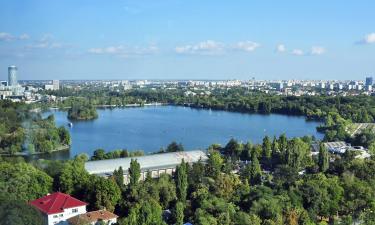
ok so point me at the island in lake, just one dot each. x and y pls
(82, 112)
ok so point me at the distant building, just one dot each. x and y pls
(3, 83)
(369, 81)
(48, 87)
(156, 164)
(56, 84)
(279, 86)
(12, 76)
(58, 207)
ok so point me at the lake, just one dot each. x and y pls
(152, 127)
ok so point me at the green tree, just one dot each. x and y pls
(181, 181)
(22, 181)
(16, 212)
(323, 160)
(103, 193)
(215, 164)
(179, 213)
(233, 148)
(266, 148)
(255, 170)
(174, 147)
(144, 213)
(134, 172)
(74, 177)
(118, 176)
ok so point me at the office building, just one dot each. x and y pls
(369, 81)
(12, 76)
(56, 84)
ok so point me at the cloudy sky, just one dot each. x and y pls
(190, 39)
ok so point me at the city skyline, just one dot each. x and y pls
(187, 40)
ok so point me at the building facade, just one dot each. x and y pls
(155, 164)
(12, 76)
(58, 207)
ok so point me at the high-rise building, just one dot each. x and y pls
(12, 76)
(56, 84)
(369, 81)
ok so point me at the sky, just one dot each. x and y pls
(191, 39)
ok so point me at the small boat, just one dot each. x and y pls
(70, 124)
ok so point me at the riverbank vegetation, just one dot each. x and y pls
(24, 130)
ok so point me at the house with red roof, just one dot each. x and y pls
(59, 207)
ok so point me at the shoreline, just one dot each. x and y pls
(25, 154)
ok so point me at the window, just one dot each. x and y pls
(61, 215)
(74, 210)
(54, 216)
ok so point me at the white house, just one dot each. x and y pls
(58, 207)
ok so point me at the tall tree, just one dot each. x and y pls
(179, 213)
(181, 181)
(323, 160)
(266, 148)
(134, 172)
(215, 164)
(255, 170)
(118, 176)
(233, 148)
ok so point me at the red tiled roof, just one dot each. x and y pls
(56, 203)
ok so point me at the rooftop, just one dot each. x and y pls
(148, 162)
(56, 203)
(91, 217)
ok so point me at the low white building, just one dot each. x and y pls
(156, 164)
(58, 207)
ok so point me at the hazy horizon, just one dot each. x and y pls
(174, 39)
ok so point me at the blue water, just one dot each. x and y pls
(150, 128)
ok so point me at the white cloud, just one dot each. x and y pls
(298, 52)
(280, 48)
(369, 39)
(47, 41)
(317, 50)
(247, 46)
(24, 37)
(124, 51)
(6, 37)
(9, 37)
(208, 47)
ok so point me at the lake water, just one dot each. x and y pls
(150, 128)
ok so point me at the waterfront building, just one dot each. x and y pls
(156, 164)
(12, 76)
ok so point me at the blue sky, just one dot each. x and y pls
(191, 39)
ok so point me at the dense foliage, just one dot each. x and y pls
(80, 110)
(22, 129)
